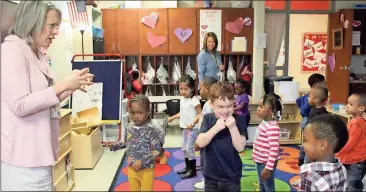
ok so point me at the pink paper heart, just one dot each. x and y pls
(236, 26)
(150, 20)
(356, 23)
(155, 41)
(204, 26)
(183, 35)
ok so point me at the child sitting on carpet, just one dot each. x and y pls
(190, 109)
(353, 155)
(324, 136)
(205, 86)
(222, 136)
(144, 144)
(266, 144)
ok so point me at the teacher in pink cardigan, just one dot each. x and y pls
(30, 98)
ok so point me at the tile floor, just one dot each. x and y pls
(100, 178)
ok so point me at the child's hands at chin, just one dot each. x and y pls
(230, 122)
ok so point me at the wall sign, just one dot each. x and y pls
(314, 50)
(210, 21)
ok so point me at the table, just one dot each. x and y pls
(162, 100)
(343, 115)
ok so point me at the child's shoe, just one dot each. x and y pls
(163, 158)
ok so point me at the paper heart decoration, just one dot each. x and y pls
(204, 26)
(356, 23)
(236, 26)
(150, 20)
(247, 21)
(183, 35)
(155, 41)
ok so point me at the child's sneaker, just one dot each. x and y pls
(200, 185)
(117, 146)
(296, 183)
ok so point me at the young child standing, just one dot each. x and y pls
(353, 154)
(242, 99)
(318, 95)
(303, 103)
(324, 136)
(222, 136)
(144, 144)
(205, 86)
(190, 109)
(266, 144)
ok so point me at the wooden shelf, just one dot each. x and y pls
(63, 136)
(71, 187)
(63, 155)
(63, 175)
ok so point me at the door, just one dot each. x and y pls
(230, 15)
(158, 34)
(127, 28)
(109, 23)
(186, 20)
(338, 78)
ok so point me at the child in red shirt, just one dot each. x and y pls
(133, 84)
(353, 154)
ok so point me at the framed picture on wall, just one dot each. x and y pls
(337, 38)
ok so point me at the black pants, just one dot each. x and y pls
(218, 186)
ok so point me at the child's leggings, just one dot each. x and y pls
(189, 139)
(141, 180)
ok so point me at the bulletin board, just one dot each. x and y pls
(313, 52)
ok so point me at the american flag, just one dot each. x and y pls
(78, 14)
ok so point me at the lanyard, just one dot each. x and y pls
(213, 57)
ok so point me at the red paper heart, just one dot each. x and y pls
(236, 26)
(150, 20)
(356, 23)
(204, 26)
(155, 41)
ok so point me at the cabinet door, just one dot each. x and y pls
(185, 19)
(109, 22)
(160, 31)
(230, 15)
(338, 78)
(127, 28)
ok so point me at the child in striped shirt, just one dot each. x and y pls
(266, 145)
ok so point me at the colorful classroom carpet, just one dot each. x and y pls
(166, 178)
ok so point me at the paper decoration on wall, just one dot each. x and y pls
(313, 55)
(150, 20)
(183, 35)
(331, 62)
(236, 26)
(247, 21)
(155, 41)
(210, 21)
(356, 23)
(346, 24)
(342, 17)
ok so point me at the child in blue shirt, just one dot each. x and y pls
(302, 102)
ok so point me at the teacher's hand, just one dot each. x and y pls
(78, 79)
(221, 67)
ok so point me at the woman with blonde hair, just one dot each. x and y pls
(30, 98)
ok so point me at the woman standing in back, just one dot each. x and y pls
(30, 98)
(209, 59)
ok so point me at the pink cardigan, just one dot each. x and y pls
(29, 137)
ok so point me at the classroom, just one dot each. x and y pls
(198, 95)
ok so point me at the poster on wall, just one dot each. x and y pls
(313, 52)
(210, 21)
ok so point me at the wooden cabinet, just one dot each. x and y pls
(183, 18)
(127, 27)
(230, 15)
(160, 30)
(109, 23)
(63, 169)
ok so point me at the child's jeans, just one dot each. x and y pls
(269, 184)
(303, 124)
(142, 180)
(355, 173)
(218, 186)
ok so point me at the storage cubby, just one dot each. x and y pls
(162, 60)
